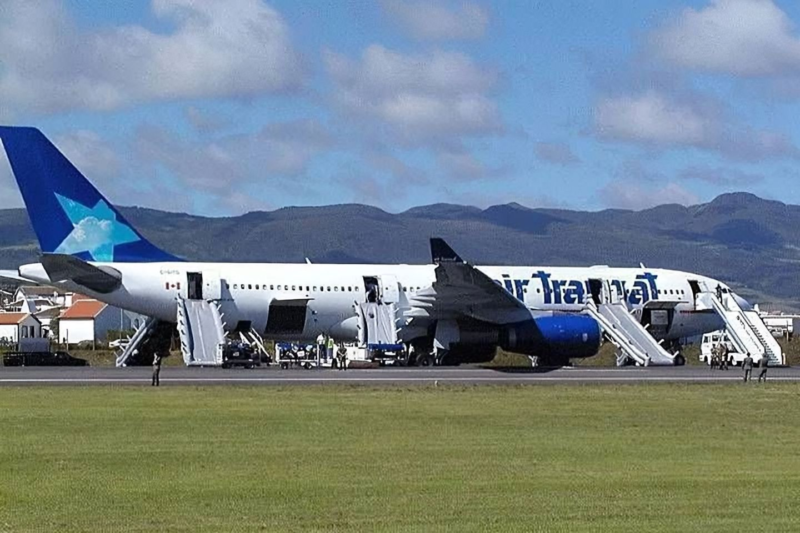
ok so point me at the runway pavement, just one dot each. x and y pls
(375, 377)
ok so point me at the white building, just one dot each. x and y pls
(16, 326)
(90, 320)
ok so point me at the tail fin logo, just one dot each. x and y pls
(95, 230)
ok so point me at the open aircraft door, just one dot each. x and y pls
(390, 289)
(212, 285)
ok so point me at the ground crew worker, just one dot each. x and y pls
(321, 351)
(156, 371)
(714, 357)
(723, 357)
(342, 356)
(331, 346)
(747, 366)
(763, 363)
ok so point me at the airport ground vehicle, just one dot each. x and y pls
(42, 359)
(710, 340)
(290, 355)
(239, 354)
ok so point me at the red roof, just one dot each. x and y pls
(12, 319)
(84, 309)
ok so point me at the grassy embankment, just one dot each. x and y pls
(632, 458)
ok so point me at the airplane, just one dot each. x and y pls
(449, 311)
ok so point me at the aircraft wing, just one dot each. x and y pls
(461, 289)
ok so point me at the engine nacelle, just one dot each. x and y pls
(559, 336)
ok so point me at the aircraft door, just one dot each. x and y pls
(596, 290)
(194, 285)
(212, 285)
(390, 290)
(695, 291)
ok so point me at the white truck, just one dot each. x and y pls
(710, 340)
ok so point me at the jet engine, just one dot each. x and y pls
(558, 337)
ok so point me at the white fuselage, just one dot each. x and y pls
(245, 291)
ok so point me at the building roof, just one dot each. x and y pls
(84, 309)
(12, 319)
(41, 290)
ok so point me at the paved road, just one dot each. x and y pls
(376, 377)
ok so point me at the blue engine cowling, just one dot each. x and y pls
(559, 336)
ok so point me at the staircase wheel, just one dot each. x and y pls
(425, 360)
(679, 360)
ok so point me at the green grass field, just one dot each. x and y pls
(630, 458)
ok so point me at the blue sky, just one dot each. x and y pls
(220, 108)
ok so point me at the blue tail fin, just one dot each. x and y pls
(67, 213)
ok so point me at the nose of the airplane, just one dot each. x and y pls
(744, 304)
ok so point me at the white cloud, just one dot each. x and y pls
(557, 153)
(657, 119)
(434, 20)
(239, 49)
(739, 37)
(624, 194)
(440, 96)
(461, 165)
(204, 121)
(221, 166)
(652, 118)
(90, 154)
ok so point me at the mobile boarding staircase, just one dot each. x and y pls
(202, 332)
(154, 336)
(746, 330)
(633, 341)
(377, 324)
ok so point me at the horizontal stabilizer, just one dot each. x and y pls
(61, 267)
(442, 253)
(13, 275)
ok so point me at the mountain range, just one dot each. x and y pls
(747, 241)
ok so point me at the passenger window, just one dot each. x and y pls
(235, 286)
(257, 287)
(249, 287)
(294, 287)
(356, 288)
(336, 289)
(342, 289)
(314, 288)
(349, 289)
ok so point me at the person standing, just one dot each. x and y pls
(322, 353)
(156, 382)
(763, 363)
(723, 356)
(331, 346)
(342, 357)
(747, 366)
